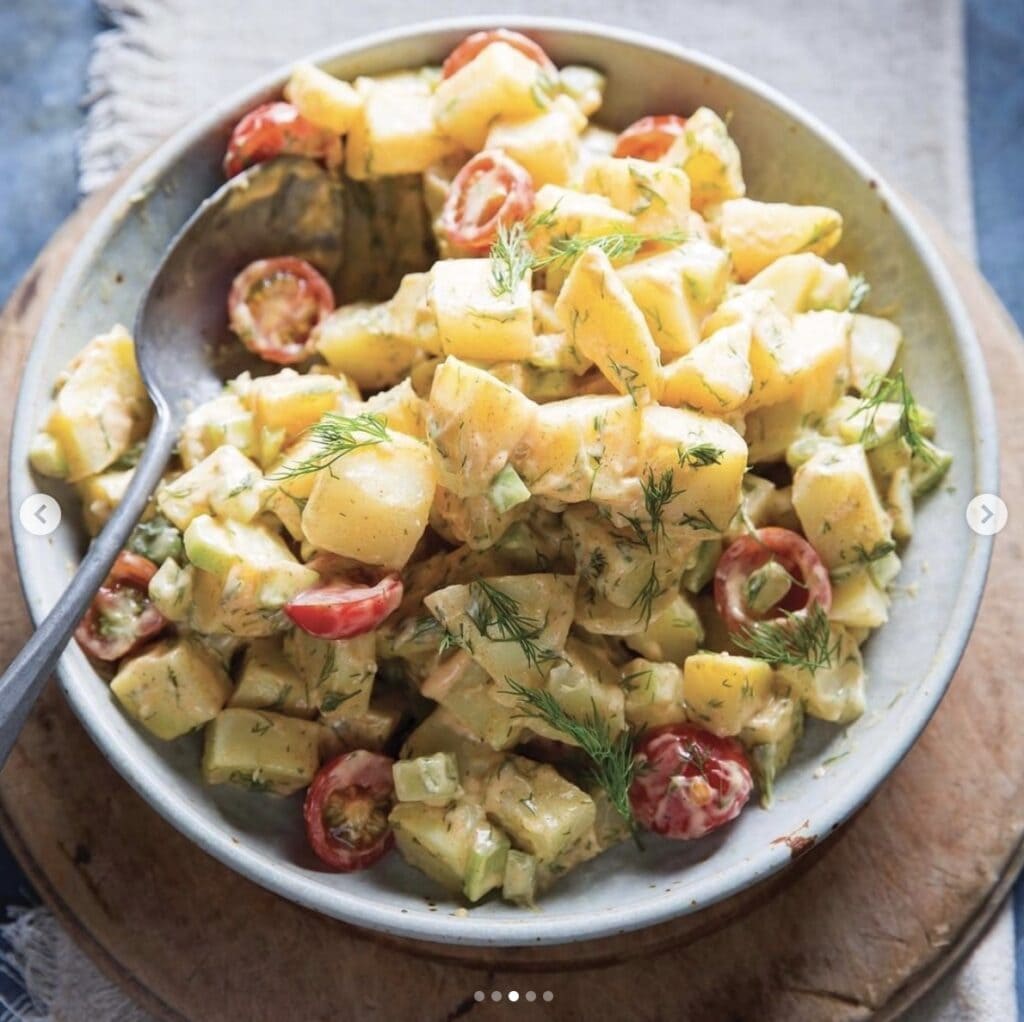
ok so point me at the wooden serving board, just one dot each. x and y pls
(861, 928)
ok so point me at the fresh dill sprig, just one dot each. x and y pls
(614, 244)
(612, 764)
(699, 455)
(700, 520)
(336, 435)
(859, 290)
(879, 551)
(801, 640)
(499, 618)
(650, 591)
(893, 389)
(511, 259)
(658, 494)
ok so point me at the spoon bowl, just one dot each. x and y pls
(287, 206)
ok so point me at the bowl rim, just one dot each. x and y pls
(542, 928)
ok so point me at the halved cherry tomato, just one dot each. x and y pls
(346, 810)
(688, 782)
(473, 45)
(650, 137)
(276, 129)
(274, 306)
(121, 618)
(748, 553)
(342, 609)
(490, 191)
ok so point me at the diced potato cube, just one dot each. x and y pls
(834, 692)
(499, 82)
(771, 431)
(566, 213)
(357, 340)
(100, 495)
(338, 674)
(292, 402)
(373, 504)
(394, 131)
(222, 421)
(546, 144)
(473, 422)
(655, 195)
(710, 158)
(758, 233)
(513, 626)
(542, 811)
(402, 409)
(375, 727)
(261, 751)
(858, 602)
(102, 407)
(321, 98)
(715, 376)
(46, 456)
(602, 320)
(225, 483)
(172, 687)
(465, 689)
(586, 684)
(654, 693)
(838, 506)
(473, 322)
(675, 290)
(804, 283)
(584, 85)
(874, 344)
(562, 454)
(672, 635)
(268, 681)
(411, 315)
(723, 692)
(170, 590)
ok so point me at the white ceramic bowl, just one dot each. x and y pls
(786, 156)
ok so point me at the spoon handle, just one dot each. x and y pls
(25, 677)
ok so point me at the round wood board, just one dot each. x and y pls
(861, 928)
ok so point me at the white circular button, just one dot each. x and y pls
(987, 514)
(39, 514)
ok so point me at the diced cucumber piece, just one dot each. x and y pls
(702, 570)
(926, 472)
(209, 546)
(767, 586)
(507, 490)
(485, 865)
(157, 539)
(261, 751)
(172, 688)
(431, 779)
(519, 884)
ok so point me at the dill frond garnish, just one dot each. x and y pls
(893, 389)
(511, 259)
(658, 494)
(499, 618)
(801, 640)
(612, 765)
(859, 290)
(878, 552)
(336, 435)
(651, 590)
(699, 455)
(614, 244)
(701, 520)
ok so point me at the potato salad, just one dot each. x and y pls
(545, 521)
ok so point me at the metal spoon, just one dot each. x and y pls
(287, 206)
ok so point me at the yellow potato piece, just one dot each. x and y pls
(723, 692)
(715, 376)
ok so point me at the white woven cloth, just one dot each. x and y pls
(889, 75)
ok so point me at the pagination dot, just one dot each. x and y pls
(495, 995)
(513, 995)
(479, 995)
(530, 995)
(548, 996)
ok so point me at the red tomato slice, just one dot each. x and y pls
(689, 782)
(275, 304)
(743, 557)
(490, 191)
(341, 609)
(121, 618)
(276, 129)
(650, 137)
(346, 810)
(473, 45)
